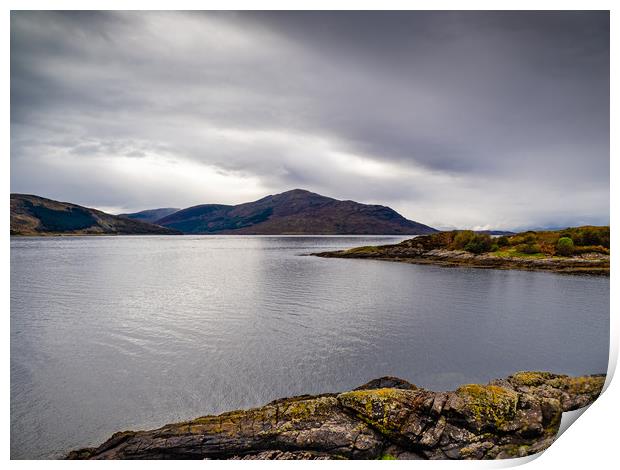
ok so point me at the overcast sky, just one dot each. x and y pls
(454, 119)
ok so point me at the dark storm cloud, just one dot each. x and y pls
(453, 118)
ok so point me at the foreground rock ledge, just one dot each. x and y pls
(386, 418)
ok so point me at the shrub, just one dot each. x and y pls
(547, 249)
(565, 246)
(591, 249)
(527, 238)
(528, 248)
(590, 237)
(480, 243)
(503, 241)
(605, 240)
(462, 239)
(494, 247)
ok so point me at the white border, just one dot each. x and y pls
(591, 443)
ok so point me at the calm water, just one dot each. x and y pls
(113, 333)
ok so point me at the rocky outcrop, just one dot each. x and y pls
(387, 418)
(424, 250)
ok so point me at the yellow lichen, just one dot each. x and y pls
(375, 406)
(579, 385)
(489, 404)
(532, 379)
(302, 409)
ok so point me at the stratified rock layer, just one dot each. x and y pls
(386, 418)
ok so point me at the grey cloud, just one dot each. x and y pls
(451, 102)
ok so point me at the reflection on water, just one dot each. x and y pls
(113, 333)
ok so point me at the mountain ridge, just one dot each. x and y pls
(36, 215)
(294, 212)
(150, 215)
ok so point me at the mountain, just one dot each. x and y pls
(34, 215)
(150, 215)
(295, 212)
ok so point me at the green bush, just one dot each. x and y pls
(494, 247)
(503, 241)
(480, 243)
(565, 246)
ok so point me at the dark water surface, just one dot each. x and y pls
(114, 333)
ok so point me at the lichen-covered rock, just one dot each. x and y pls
(297, 425)
(511, 417)
(573, 392)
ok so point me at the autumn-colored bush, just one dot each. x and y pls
(528, 248)
(526, 238)
(462, 238)
(578, 250)
(548, 249)
(471, 241)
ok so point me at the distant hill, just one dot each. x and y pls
(294, 212)
(150, 215)
(34, 215)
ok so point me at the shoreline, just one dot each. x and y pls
(596, 265)
(387, 418)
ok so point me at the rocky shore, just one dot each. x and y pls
(416, 251)
(387, 418)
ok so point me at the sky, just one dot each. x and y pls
(455, 119)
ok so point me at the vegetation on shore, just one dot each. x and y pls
(566, 243)
(577, 250)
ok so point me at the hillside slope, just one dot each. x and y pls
(295, 212)
(34, 215)
(150, 215)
